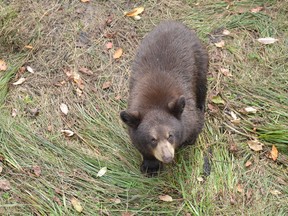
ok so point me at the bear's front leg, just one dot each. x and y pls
(151, 167)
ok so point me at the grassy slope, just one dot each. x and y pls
(70, 165)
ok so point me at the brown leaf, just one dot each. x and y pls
(274, 153)
(37, 170)
(240, 188)
(77, 79)
(118, 97)
(134, 12)
(212, 108)
(109, 45)
(3, 65)
(248, 163)
(126, 214)
(4, 185)
(57, 200)
(33, 112)
(86, 71)
(28, 47)
(226, 72)
(166, 198)
(76, 204)
(256, 10)
(106, 85)
(118, 53)
(19, 82)
(49, 128)
(255, 145)
(115, 200)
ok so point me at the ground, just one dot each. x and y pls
(44, 172)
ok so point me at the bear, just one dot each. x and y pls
(167, 93)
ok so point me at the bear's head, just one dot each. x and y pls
(159, 131)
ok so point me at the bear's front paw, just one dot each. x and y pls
(151, 167)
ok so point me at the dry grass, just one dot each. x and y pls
(69, 35)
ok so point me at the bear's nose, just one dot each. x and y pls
(167, 159)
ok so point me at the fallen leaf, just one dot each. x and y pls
(14, 112)
(76, 204)
(274, 153)
(77, 79)
(49, 128)
(20, 81)
(29, 69)
(1, 168)
(68, 133)
(58, 191)
(166, 198)
(79, 92)
(33, 112)
(248, 163)
(37, 170)
(226, 32)
(250, 110)
(84, 1)
(213, 109)
(109, 45)
(267, 40)
(275, 192)
(256, 10)
(115, 200)
(126, 214)
(106, 85)
(101, 172)
(68, 72)
(240, 188)
(118, 97)
(134, 12)
(255, 145)
(200, 179)
(235, 119)
(28, 47)
(3, 65)
(86, 71)
(220, 44)
(118, 53)
(217, 100)
(137, 17)
(226, 72)
(64, 108)
(4, 185)
(57, 200)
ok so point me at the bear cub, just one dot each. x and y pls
(167, 92)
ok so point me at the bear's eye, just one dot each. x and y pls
(153, 142)
(170, 138)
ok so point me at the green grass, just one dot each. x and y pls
(69, 165)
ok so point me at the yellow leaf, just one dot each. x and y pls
(220, 44)
(85, 1)
(118, 53)
(166, 198)
(19, 82)
(76, 204)
(134, 12)
(3, 65)
(28, 47)
(274, 153)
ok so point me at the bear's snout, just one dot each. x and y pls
(164, 152)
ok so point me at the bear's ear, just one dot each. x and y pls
(130, 118)
(176, 107)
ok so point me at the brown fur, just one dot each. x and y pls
(167, 91)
